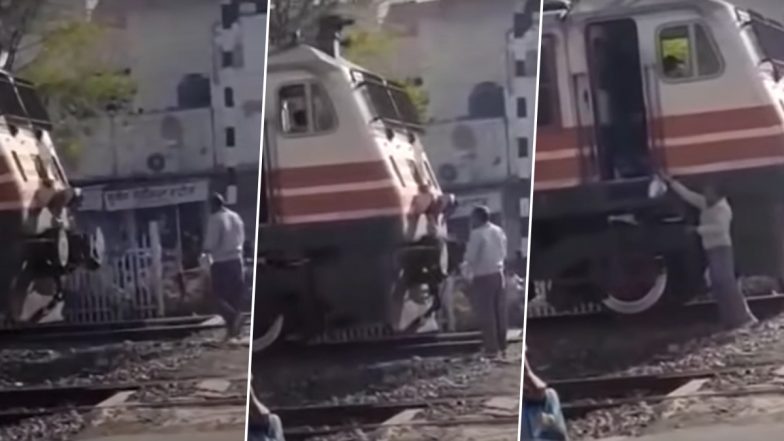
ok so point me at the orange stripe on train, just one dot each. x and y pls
(335, 202)
(675, 126)
(333, 174)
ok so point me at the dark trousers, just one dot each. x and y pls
(489, 304)
(228, 286)
(733, 309)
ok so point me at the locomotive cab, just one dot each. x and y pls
(349, 199)
(36, 199)
(632, 88)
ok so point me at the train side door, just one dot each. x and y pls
(617, 83)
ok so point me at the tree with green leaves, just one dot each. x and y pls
(374, 49)
(64, 55)
(369, 48)
(287, 17)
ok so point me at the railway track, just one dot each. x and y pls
(383, 348)
(312, 422)
(137, 330)
(762, 306)
(583, 395)
(580, 396)
(37, 401)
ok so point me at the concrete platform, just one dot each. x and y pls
(236, 435)
(757, 432)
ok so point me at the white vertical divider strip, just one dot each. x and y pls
(255, 239)
(532, 155)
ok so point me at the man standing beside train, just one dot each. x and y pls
(223, 242)
(715, 235)
(483, 267)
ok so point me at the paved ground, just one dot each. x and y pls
(756, 432)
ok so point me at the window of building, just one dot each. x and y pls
(522, 22)
(520, 68)
(305, 109)
(547, 113)
(687, 51)
(229, 14)
(230, 137)
(522, 147)
(227, 58)
(522, 108)
(228, 97)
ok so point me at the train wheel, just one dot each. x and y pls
(634, 282)
(270, 336)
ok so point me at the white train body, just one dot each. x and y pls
(346, 185)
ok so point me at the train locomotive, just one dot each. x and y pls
(351, 209)
(632, 88)
(39, 236)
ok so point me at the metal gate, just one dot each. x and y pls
(127, 287)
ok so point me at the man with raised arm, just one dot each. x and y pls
(715, 235)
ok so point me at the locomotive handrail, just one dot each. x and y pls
(394, 122)
(764, 45)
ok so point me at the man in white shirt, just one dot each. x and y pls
(715, 235)
(484, 268)
(223, 242)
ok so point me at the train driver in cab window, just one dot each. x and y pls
(294, 109)
(674, 67)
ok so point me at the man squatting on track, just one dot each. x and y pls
(542, 418)
(714, 230)
(262, 424)
(223, 242)
(483, 268)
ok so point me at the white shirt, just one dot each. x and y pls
(486, 251)
(225, 236)
(715, 221)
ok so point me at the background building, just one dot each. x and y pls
(481, 87)
(193, 126)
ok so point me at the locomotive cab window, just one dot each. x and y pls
(305, 109)
(687, 51)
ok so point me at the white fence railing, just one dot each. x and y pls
(127, 287)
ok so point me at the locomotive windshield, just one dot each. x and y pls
(19, 102)
(770, 40)
(389, 102)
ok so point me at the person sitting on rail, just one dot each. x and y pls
(542, 418)
(263, 425)
(715, 234)
(483, 267)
